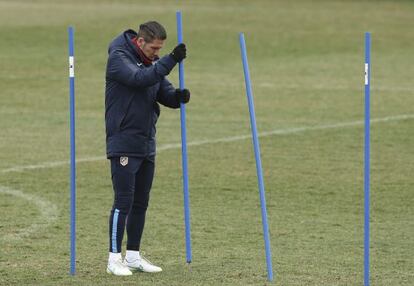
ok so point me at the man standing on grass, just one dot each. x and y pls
(135, 84)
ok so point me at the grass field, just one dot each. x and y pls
(306, 60)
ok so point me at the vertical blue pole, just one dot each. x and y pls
(184, 148)
(72, 154)
(367, 157)
(257, 155)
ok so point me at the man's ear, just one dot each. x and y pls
(140, 42)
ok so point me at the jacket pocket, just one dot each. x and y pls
(124, 114)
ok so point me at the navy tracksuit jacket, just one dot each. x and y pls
(131, 98)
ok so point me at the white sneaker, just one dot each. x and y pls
(140, 263)
(116, 267)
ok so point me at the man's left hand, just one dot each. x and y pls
(182, 95)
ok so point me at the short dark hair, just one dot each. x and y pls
(152, 30)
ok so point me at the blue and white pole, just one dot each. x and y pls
(259, 171)
(367, 157)
(72, 154)
(184, 148)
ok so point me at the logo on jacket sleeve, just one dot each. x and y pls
(123, 161)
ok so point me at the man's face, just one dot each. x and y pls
(151, 50)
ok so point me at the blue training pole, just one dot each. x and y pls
(257, 155)
(72, 155)
(184, 148)
(367, 157)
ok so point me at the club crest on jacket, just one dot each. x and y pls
(123, 161)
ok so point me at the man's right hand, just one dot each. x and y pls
(179, 53)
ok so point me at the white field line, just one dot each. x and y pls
(285, 131)
(328, 87)
(48, 214)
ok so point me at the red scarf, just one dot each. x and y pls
(145, 60)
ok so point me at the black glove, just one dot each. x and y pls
(182, 95)
(179, 53)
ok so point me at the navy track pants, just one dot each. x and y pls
(131, 180)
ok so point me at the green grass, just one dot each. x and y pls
(306, 60)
